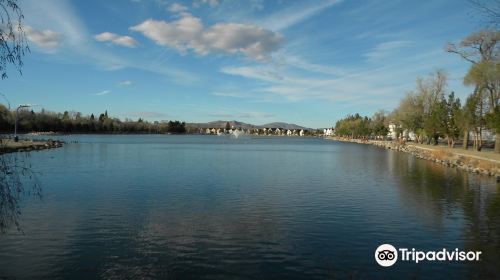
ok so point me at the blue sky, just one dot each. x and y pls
(304, 62)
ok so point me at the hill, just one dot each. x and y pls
(234, 123)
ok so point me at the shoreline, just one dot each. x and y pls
(456, 158)
(9, 146)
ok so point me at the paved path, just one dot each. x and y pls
(483, 155)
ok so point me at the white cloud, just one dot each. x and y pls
(116, 39)
(177, 8)
(211, 3)
(62, 17)
(46, 39)
(104, 92)
(125, 83)
(188, 33)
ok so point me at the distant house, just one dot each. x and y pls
(328, 132)
(486, 135)
(392, 134)
(301, 132)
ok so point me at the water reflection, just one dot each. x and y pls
(17, 181)
(120, 207)
(447, 198)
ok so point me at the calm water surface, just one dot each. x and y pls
(192, 207)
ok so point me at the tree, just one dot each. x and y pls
(489, 11)
(378, 123)
(410, 115)
(354, 126)
(478, 46)
(481, 49)
(423, 110)
(485, 75)
(452, 118)
(13, 42)
(228, 126)
(472, 119)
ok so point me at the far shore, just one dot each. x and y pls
(484, 162)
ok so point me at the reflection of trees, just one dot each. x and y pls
(17, 180)
(482, 232)
(431, 189)
(437, 192)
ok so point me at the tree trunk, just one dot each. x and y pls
(497, 142)
(475, 141)
(465, 145)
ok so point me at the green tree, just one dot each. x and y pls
(451, 119)
(472, 118)
(378, 123)
(482, 51)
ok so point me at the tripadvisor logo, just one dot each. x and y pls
(387, 255)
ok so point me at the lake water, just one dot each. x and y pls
(209, 207)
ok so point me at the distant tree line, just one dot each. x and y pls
(431, 112)
(359, 127)
(75, 122)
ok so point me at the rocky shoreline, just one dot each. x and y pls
(9, 146)
(468, 163)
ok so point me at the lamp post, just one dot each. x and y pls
(15, 124)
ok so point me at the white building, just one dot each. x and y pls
(328, 132)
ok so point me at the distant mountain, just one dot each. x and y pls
(222, 124)
(284, 125)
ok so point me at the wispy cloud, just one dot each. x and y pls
(60, 16)
(177, 8)
(104, 92)
(386, 49)
(230, 94)
(367, 84)
(125, 83)
(211, 3)
(295, 14)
